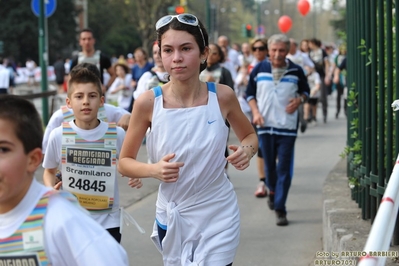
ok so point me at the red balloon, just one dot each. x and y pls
(284, 23)
(303, 7)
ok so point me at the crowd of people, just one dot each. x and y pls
(182, 102)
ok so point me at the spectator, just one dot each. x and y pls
(121, 87)
(340, 72)
(59, 70)
(322, 66)
(67, 66)
(30, 67)
(8, 63)
(260, 52)
(246, 56)
(214, 71)
(4, 78)
(241, 83)
(303, 60)
(141, 66)
(157, 76)
(340, 82)
(232, 55)
(310, 107)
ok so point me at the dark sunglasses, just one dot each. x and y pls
(187, 19)
(260, 48)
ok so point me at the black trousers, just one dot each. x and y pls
(114, 232)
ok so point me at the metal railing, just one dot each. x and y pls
(373, 129)
(384, 223)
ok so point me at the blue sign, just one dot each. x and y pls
(261, 29)
(49, 7)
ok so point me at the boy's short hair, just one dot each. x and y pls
(85, 73)
(28, 126)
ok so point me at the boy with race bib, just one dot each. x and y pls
(87, 149)
(41, 226)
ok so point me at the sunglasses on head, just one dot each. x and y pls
(260, 48)
(187, 19)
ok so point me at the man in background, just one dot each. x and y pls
(90, 55)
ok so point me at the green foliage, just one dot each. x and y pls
(247, 4)
(355, 149)
(354, 123)
(114, 31)
(353, 182)
(19, 30)
(352, 96)
(352, 100)
(365, 51)
(339, 24)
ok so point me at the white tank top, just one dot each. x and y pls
(197, 135)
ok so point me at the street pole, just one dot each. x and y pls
(208, 16)
(43, 59)
(258, 18)
(85, 17)
(314, 18)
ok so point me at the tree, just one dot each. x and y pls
(62, 30)
(339, 24)
(120, 26)
(19, 30)
(113, 29)
(145, 14)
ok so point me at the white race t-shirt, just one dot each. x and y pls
(71, 237)
(114, 114)
(314, 80)
(52, 159)
(124, 96)
(301, 59)
(148, 81)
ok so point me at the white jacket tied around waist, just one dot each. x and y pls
(199, 233)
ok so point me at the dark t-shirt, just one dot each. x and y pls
(59, 71)
(342, 66)
(318, 56)
(137, 71)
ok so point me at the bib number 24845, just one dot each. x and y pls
(87, 185)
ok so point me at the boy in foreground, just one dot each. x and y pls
(40, 226)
